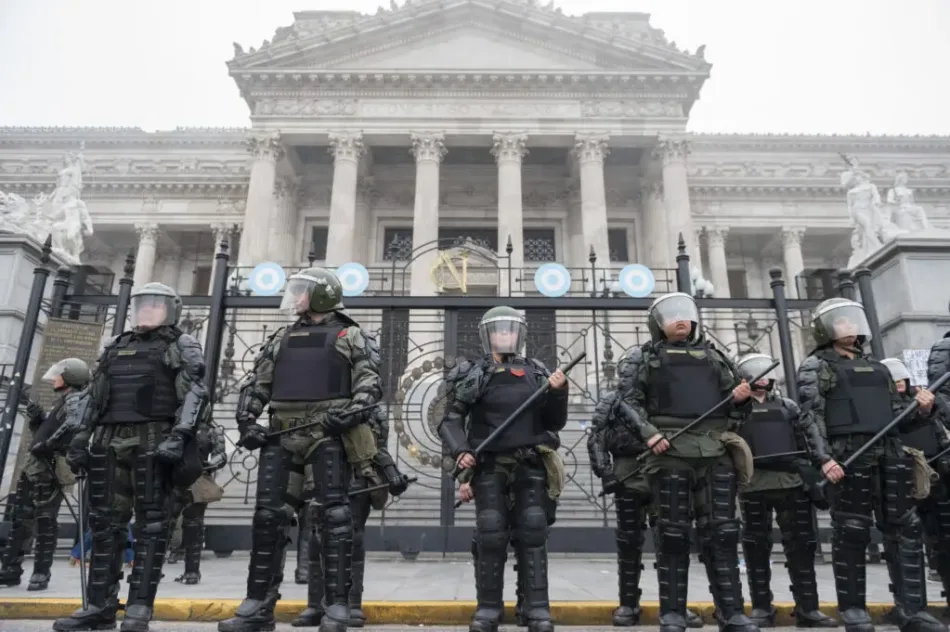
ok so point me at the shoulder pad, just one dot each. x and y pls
(631, 361)
(110, 342)
(71, 403)
(790, 404)
(941, 345)
(811, 363)
(539, 366)
(461, 369)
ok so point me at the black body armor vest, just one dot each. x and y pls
(509, 385)
(685, 386)
(141, 385)
(769, 430)
(860, 402)
(309, 368)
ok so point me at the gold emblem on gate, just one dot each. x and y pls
(449, 269)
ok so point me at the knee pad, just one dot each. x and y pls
(724, 533)
(491, 530)
(337, 519)
(532, 527)
(672, 538)
(268, 518)
(854, 531)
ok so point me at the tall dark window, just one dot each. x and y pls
(397, 244)
(617, 242)
(319, 236)
(539, 245)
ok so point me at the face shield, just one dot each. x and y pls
(504, 335)
(843, 321)
(54, 371)
(297, 295)
(898, 370)
(675, 309)
(753, 365)
(151, 311)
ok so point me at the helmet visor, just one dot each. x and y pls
(675, 309)
(151, 311)
(297, 295)
(54, 371)
(844, 321)
(503, 335)
(753, 365)
(898, 370)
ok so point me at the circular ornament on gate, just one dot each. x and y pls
(552, 280)
(636, 280)
(354, 278)
(267, 279)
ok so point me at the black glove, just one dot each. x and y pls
(386, 466)
(41, 449)
(336, 423)
(77, 454)
(216, 461)
(611, 483)
(36, 414)
(253, 436)
(172, 449)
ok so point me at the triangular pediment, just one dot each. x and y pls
(463, 35)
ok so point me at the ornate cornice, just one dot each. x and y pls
(818, 143)
(509, 147)
(116, 137)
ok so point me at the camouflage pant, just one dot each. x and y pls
(126, 478)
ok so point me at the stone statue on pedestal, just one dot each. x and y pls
(902, 208)
(61, 213)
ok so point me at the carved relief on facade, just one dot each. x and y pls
(305, 107)
(346, 145)
(631, 109)
(428, 146)
(672, 150)
(509, 147)
(265, 146)
(468, 109)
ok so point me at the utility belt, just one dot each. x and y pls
(541, 456)
(359, 442)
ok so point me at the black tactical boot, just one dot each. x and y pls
(536, 610)
(905, 565)
(849, 568)
(192, 537)
(92, 618)
(45, 547)
(253, 615)
(10, 574)
(801, 571)
(337, 557)
(489, 586)
(693, 619)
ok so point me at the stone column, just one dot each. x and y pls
(426, 328)
(266, 150)
(282, 247)
(658, 244)
(674, 153)
(590, 151)
(719, 275)
(347, 148)
(508, 150)
(428, 149)
(145, 255)
(794, 262)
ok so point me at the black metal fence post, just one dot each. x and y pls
(215, 331)
(60, 287)
(863, 277)
(683, 278)
(124, 296)
(784, 332)
(30, 321)
(846, 285)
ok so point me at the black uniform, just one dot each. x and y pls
(775, 427)
(935, 510)
(852, 399)
(611, 440)
(510, 467)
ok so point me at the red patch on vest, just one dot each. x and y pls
(517, 372)
(342, 333)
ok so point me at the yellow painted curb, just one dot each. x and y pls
(391, 612)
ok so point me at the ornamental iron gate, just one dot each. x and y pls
(420, 338)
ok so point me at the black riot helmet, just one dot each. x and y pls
(503, 330)
(752, 365)
(75, 373)
(676, 307)
(838, 319)
(155, 305)
(312, 290)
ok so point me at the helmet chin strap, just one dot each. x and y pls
(767, 388)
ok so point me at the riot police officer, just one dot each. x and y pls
(212, 448)
(360, 506)
(511, 466)
(851, 396)
(935, 509)
(666, 385)
(776, 433)
(323, 368)
(611, 440)
(39, 490)
(134, 438)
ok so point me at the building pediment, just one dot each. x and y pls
(468, 35)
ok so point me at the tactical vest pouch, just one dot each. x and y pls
(64, 475)
(360, 445)
(741, 456)
(206, 491)
(924, 475)
(554, 467)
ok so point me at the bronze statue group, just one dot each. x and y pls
(689, 441)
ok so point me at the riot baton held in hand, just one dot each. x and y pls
(311, 424)
(643, 455)
(907, 412)
(515, 415)
(368, 490)
(938, 456)
(779, 455)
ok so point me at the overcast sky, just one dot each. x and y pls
(797, 66)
